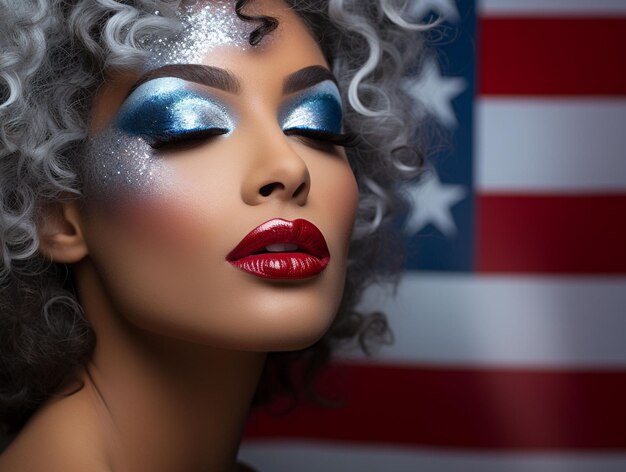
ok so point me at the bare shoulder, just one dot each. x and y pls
(63, 436)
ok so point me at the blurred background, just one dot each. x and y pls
(510, 321)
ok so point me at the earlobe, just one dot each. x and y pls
(60, 233)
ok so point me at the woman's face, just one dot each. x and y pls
(215, 210)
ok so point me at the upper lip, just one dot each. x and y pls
(300, 232)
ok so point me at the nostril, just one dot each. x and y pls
(267, 190)
(299, 190)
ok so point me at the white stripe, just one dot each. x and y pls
(503, 321)
(550, 145)
(327, 457)
(551, 7)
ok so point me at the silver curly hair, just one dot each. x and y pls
(53, 57)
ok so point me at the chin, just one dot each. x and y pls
(297, 338)
(290, 329)
(295, 317)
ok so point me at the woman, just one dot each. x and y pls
(177, 202)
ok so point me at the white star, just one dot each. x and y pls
(432, 202)
(447, 9)
(436, 92)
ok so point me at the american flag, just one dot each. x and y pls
(510, 322)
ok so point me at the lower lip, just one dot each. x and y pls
(282, 265)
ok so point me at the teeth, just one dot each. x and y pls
(281, 247)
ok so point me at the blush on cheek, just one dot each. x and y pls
(161, 221)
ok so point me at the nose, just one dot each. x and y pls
(277, 172)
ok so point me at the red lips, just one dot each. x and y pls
(297, 250)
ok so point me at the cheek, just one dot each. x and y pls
(341, 196)
(161, 221)
(138, 193)
(348, 195)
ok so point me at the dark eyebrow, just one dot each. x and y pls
(198, 73)
(305, 78)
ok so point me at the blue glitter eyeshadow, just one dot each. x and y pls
(167, 108)
(317, 109)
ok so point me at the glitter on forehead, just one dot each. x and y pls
(205, 25)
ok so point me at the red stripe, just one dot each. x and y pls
(552, 56)
(463, 408)
(551, 234)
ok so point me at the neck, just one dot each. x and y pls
(164, 404)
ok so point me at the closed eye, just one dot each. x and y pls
(166, 111)
(315, 114)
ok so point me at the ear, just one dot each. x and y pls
(60, 233)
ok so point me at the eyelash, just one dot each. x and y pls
(342, 139)
(172, 140)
